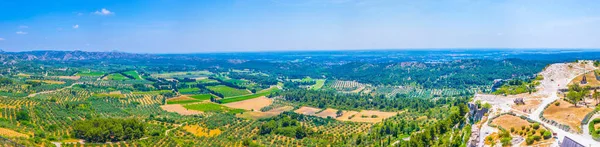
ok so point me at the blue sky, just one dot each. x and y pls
(178, 26)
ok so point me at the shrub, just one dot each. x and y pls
(512, 129)
(547, 134)
(536, 137)
(557, 104)
(536, 126)
(529, 140)
(506, 141)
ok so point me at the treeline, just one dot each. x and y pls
(201, 86)
(227, 83)
(334, 99)
(456, 74)
(108, 129)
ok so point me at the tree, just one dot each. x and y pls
(108, 129)
(487, 106)
(576, 93)
(23, 115)
(339, 113)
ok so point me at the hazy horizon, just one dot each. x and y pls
(313, 25)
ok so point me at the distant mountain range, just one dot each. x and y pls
(69, 55)
(333, 57)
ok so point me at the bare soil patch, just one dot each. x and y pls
(69, 77)
(528, 107)
(566, 113)
(178, 108)
(510, 121)
(270, 113)
(307, 110)
(347, 115)
(371, 116)
(115, 92)
(251, 104)
(327, 112)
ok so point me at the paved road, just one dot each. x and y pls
(560, 133)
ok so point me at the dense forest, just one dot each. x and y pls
(104, 130)
(330, 98)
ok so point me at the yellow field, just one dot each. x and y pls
(201, 132)
(10, 133)
(48, 81)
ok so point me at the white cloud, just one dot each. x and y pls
(21, 33)
(79, 14)
(23, 27)
(2, 39)
(104, 11)
(76, 26)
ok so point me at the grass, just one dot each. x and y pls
(319, 84)
(306, 79)
(134, 74)
(208, 81)
(116, 76)
(201, 96)
(212, 107)
(246, 97)
(89, 73)
(189, 90)
(227, 91)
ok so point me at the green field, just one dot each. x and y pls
(201, 96)
(116, 76)
(189, 90)
(319, 84)
(208, 81)
(228, 91)
(245, 97)
(212, 107)
(89, 74)
(306, 79)
(134, 74)
(182, 101)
